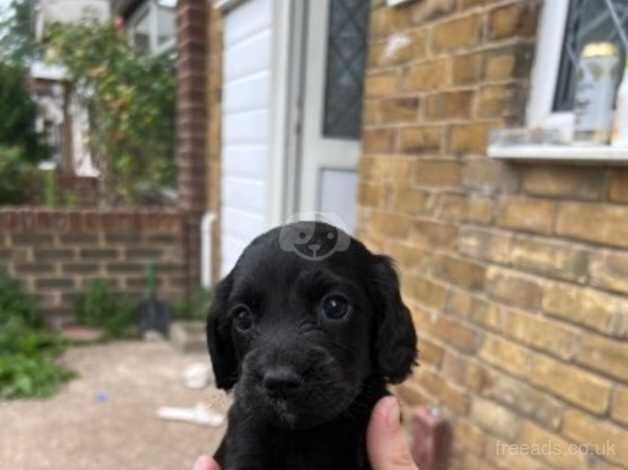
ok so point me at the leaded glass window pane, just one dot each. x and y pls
(588, 21)
(346, 56)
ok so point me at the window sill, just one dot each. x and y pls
(560, 154)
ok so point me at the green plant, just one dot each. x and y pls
(16, 305)
(15, 176)
(100, 307)
(196, 306)
(27, 351)
(19, 114)
(131, 99)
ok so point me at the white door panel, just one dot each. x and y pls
(246, 20)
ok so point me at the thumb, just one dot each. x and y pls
(386, 440)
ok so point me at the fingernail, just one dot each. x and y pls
(202, 463)
(393, 413)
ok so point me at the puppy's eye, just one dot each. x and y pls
(242, 319)
(335, 307)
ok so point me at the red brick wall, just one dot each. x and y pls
(517, 274)
(57, 253)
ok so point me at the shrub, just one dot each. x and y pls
(196, 306)
(27, 351)
(15, 176)
(100, 307)
(16, 305)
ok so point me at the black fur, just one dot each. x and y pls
(339, 368)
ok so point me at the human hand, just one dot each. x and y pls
(386, 442)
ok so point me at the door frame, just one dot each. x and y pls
(288, 65)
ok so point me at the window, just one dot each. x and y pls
(346, 56)
(153, 27)
(566, 27)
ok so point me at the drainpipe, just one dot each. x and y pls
(206, 249)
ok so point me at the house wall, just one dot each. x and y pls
(57, 253)
(516, 274)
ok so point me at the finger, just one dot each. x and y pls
(206, 463)
(386, 440)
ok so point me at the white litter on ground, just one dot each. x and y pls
(201, 414)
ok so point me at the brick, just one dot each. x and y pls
(398, 49)
(53, 254)
(467, 69)
(80, 268)
(506, 355)
(487, 314)
(561, 454)
(462, 272)
(452, 397)
(469, 139)
(499, 453)
(433, 235)
(427, 76)
(430, 352)
(459, 303)
(609, 270)
(594, 222)
(54, 283)
(393, 168)
(560, 260)
(372, 195)
(458, 335)
(488, 176)
(518, 19)
(457, 33)
(121, 268)
(32, 239)
(469, 437)
(469, 374)
(619, 407)
(449, 206)
(385, 21)
(399, 110)
(513, 289)
(34, 268)
(564, 181)
(605, 355)
(449, 105)
(435, 172)
(378, 140)
(495, 419)
(476, 3)
(410, 200)
(479, 209)
(570, 383)
(587, 307)
(421, 140)
(487, 245)
(524, 399)
(409, 257)
(391, 225)
(618, 185)
(410, 393)
(602, 437)
(540, 332)
(533, 215)
(381, 84)
(429, 10)
(143, 253)
(426, 292)
(501, 101)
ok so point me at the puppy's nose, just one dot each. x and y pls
(281, 381)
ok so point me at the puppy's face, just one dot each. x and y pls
(298, 338)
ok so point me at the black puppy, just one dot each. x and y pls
(309, 327)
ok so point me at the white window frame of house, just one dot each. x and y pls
(540, 112)
(150, 8)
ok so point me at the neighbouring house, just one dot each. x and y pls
(62, 119)
(514, 261)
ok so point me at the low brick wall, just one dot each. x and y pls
(57, 253)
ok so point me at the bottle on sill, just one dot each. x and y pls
(620, 124)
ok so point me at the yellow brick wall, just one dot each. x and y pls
(517, 274)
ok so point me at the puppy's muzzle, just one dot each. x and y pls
(281, 382)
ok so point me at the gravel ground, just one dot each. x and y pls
(75, 430)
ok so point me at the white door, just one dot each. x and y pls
(246, 108)
(334, 77)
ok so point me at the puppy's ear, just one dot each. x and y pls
(219, 340)
(395, 338)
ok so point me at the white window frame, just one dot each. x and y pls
(549, 50)
(150, 7)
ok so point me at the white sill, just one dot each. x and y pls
(560, 153)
